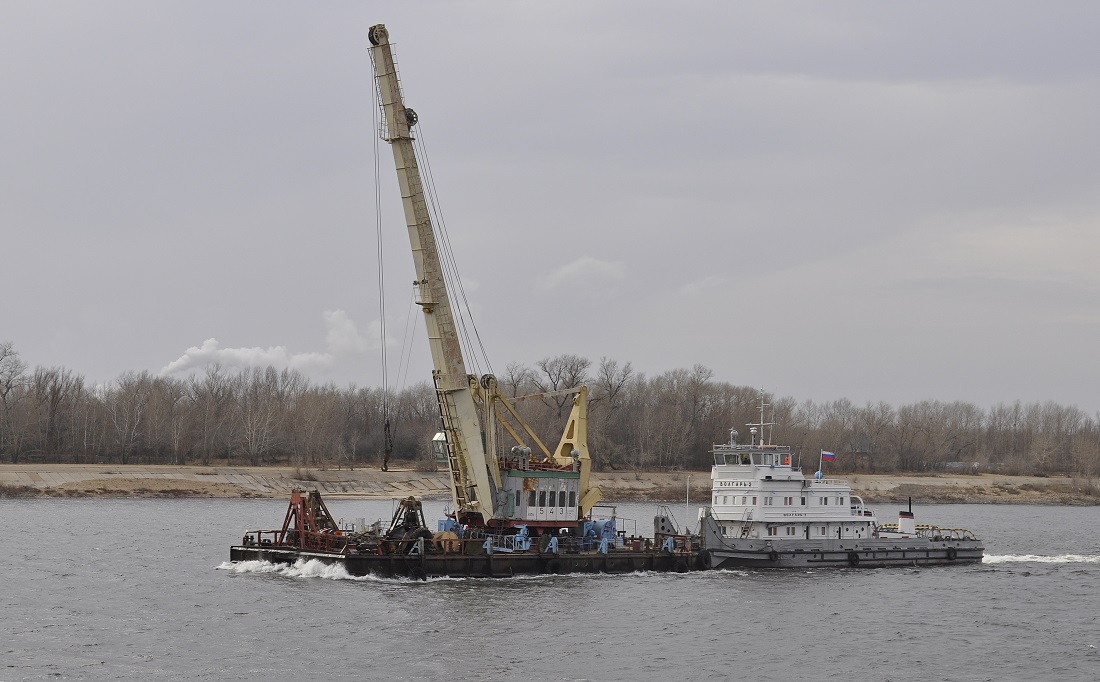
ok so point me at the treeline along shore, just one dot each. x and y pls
(637, 423)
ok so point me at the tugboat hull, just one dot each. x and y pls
(727, 553)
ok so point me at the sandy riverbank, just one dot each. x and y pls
(73, 480)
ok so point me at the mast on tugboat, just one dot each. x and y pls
(761, 425)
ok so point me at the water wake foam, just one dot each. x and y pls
(313, 569)
(1038, 559)
(301, 569)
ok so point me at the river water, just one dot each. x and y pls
(141, 589)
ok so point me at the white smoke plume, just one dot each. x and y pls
(343, 339)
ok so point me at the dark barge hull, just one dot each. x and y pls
(880, 554)
(496, 565)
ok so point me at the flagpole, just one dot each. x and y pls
(821, 461)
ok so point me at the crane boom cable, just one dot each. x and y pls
(406, 345)
(381, 269)
(451, 263)
(405, 356)
(463, 320)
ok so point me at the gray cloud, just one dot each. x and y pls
(874, 201)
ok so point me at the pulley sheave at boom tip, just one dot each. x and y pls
(482, 488)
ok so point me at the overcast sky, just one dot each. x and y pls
(862, 200)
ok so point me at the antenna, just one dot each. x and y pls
(761, 423)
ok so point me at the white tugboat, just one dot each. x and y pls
(765, 513)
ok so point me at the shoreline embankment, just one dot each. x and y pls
(95, 480)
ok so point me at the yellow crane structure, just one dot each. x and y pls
(529, 484)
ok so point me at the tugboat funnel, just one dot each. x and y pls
(907, 523)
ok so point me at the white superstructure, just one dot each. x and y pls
(757, 491)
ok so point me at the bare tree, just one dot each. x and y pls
(209, 402)
(519, 379)
(167, 419)
(559, 373)
(873, 424)
(417, 412)
(611, 379)
(639, 439)
(363, 415)
(51, 390)
(127, 402)
(315, 416)
(258, 409)
(12, 374)
(607, 425)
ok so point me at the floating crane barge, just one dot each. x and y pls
(408, 549)
(528, 509)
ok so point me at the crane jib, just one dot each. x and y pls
(546, 488)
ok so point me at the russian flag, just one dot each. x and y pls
(827, 456)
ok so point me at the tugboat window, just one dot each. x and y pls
(542, 498)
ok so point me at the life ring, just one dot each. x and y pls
(853, 558)
(952, 554)
(773, 555)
